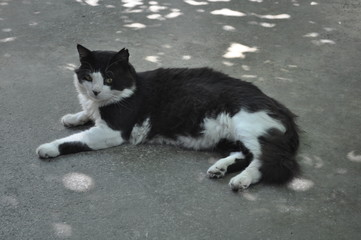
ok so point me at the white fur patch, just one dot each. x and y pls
(139, 132)
(243, 126)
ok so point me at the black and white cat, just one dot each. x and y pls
(192, 108)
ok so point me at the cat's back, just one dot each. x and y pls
(195, 80)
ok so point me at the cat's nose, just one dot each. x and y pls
(96, 92)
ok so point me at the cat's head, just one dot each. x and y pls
(105, 76)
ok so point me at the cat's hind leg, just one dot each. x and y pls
(248, 176)
(219, 168)
(235, 162)
(251, 174)
(76, 119)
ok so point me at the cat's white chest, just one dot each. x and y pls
(90, 107)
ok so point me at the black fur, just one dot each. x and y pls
(73, 147)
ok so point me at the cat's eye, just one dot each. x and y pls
(108, 80)
(88, 78)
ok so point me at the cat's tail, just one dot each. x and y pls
(279, 150)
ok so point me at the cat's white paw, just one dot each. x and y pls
(68, 120)
(73, 120)
(216, 172)
(241, 181)
(48, 150)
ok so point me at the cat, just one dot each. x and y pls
(197, 108)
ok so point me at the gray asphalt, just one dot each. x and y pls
(304, 53)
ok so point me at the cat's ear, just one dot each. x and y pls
(121, 56)
(83, 51)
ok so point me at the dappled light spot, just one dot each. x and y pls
(228, 12)
(267, 25)
(249, 196)
(131, 3)
(9, 202)
(62, 230)
(227, 63)
(92, 3)
(228, 28)
(248, 76)
(246, 67)
(155, 17)
(292, 66)
(341, 171)
(237, 50)
(157, 8)
(300, 184)
(78, 182)
(133, 11)
(323, 42)
(4, 4)
(257, 1)
(201, 176)
(212, 160)
(195, 3)
(353, 157)
(311, 35)
(33, 24)
(69, 66)
(153, 59)
(109, 6)
(186, 57)
(283, 79)
(295, 3)
(314, 161)
(314, 3)
(6, 29)
(167, 46)
(219, 0)
(287, 209)
(263, 24)
(279, 16)
(9, 39)
(201, 10)
(135, 26)
(328, 29)
(175, 13)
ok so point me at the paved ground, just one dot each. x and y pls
(304, 53)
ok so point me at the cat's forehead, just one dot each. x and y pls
(98, 60)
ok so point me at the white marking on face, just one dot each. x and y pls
(105, 95)
(98, 82)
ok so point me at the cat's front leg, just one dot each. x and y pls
(76, 119)
(98, 137)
